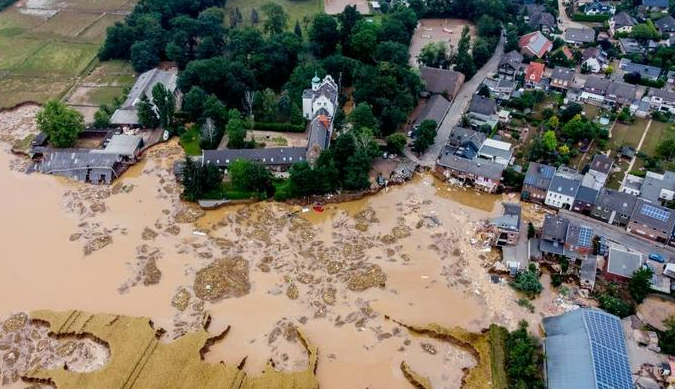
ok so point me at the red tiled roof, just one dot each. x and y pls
(534, 72)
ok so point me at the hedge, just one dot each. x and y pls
(6, 3)
(279, 127)
(590, 18)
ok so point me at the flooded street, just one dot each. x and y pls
(342, 276)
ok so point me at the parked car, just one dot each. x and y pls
(656, 257)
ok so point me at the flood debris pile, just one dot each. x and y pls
(145, 270)
(223, 278)
(25, 345)
(137, 355)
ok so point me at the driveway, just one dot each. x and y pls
(457, 108)
(566, 22)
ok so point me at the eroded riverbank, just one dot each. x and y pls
(262, 269)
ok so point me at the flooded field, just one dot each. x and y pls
(343, 277)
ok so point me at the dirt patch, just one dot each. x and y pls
(437, 30)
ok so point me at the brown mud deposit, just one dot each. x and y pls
(334, 275)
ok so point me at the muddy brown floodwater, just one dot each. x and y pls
(262, 269)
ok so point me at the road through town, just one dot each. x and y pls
(457, 108)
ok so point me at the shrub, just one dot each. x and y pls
(279, 127)
(590, 18)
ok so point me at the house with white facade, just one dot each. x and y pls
(563, 188)
(662, 100)
(322, 96)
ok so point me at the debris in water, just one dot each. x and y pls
(223, 278)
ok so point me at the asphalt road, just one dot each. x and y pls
(620, 236)
(566, 21)
(457, 108)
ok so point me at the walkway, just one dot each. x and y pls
(632, 161)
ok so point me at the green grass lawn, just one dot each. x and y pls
(296, 9)
(497, 338)
(190, 141)
(59, 58)
(658, 132)
(628, 134)
(105, 95)
(20, 50)
(615, 178)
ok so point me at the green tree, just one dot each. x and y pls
(236, 130)
(101, 119)
(144, 56)
(198, 180)
(640, 284)
(550, 141)
(645, 31)
(118, 41)
(392, 52)
(481, 52)
(666, 149)
(210, 135)
(147, 116)
(165, 103)
(364, 40)
(251, 176)
(193, 103)
(425, 137)
(528, 282)
(615, 305)
(61, 123)
(523, 359)
(357, 171)
(297, 30)
(667, 337)
(396, 143)
(435, 55)
(362, 117)
(323, 35)
(464, 61)
(277, 18)
(531, 232)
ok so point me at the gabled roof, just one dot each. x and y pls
(644, 70)
(562, 73)
(542, 19)
(535, 43)
(442, 80)
(539, 175)
(666, 24)
(482, 105)
(461, 136)
(512, 58)
(586, 195)
(613, 200)
(654, 215)
(663, 94)
(478, 167)
(601, 163)
(64, 161)
(622, 91)
(122, 144)
(564, 185)
(435, 109)
(554, 228)
(623, 19)
(655, 3)
(592, 52)
(128, 112)
(510, 218)
(567, 52)
(319, 132)
(580, 35)
(534, 71)
(268, 156)
(579, 235)
(623, 263)
(586, 348)
(654, 184)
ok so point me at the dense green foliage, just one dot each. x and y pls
(61, 123)
(426, 134)
(253, 177)
(396, 143)
(640, 284)
(528, 282)
(198, 179)
(667, 337)
(524, 359)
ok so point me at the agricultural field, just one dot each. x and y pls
(301, 10)
(53, 45)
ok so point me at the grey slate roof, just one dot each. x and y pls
(268, 156)
(653, 184)
(601, 163)
(643, 70)
(442, 80)
(482, 105)
(655, 3)
(542, 19)
(580, 35)
(666, 24)
(461, 135)
(663, 94)
(622, 92)
(596, 85)
(586, 195)
(435, 109)
(586, 348)
(513, 58)
(579, 235)
(564, 185)
(76, 163)
(631, 46)
(613, 200)
(539, 175)
(654, 216)
(510, 218)
(623, 263)
(128, 112)
(562, 73)
(623, 19)
(318, 134)
(121, 144)
(554, 228)
(480, 168)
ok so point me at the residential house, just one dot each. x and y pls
(631, 46)
(579, 36)
(666, 25)
(640, 108)
(662, 100)
(670, 77)
(652, 221)
(479, 173)
(320, 99)
(586, 348)
(534, 44)
(646, 72)
(595, 89)
(533, 74)
(553, 235)
(632, 185)
(621, 22)
(578, 241)
(654, 6)
(563, 189)
(482, 111)
(654, 187)
(543, 21)
(585, 200)
(594, 58)
(434, 109)
(127, 114)
(562, 78)
(496, 151)
(510, 65)
(598, 172)
(508, 225)
(465, 142)
(598, 8)
(127, 147)
(567, 52)
(500, 88)
(621, 264)
(614, 207)
(602, 90)
(275, 158)
(536, 183)
(443, 81)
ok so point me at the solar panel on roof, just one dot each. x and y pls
(655, 213)
(585, 235)
(610, 357)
